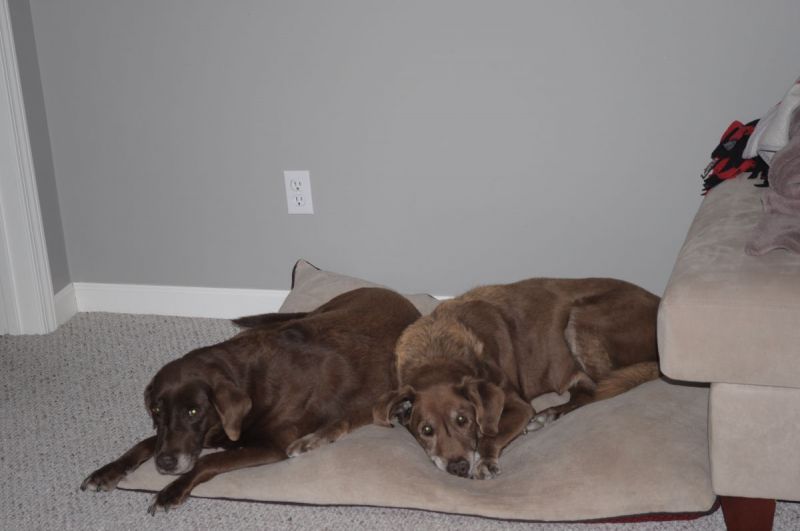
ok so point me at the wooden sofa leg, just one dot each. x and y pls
(747, 514)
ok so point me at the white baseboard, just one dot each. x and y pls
(183, 301)
(66, 304)
(220, 303)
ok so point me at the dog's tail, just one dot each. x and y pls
(266, 319)
(625, 378)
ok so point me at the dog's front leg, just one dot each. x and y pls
(516, 415)
(107, 477)
(209, 466)
(327, 434)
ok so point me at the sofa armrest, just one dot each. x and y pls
(726, 316)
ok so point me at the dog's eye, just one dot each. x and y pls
(427, 430)
(155, 410)
(461, 420)
(192, 411)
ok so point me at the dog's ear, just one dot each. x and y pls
(488, 400)
(232, 404)
(394, 404)
(148, 401)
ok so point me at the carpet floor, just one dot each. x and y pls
(72, 401)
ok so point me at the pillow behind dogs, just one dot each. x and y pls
(312, 287)
(644, 452)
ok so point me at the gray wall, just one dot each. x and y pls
(450, 143)
(25, 45)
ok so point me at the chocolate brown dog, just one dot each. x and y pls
(468, 371)
(288, 384)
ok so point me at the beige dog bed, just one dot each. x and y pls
(642, 453)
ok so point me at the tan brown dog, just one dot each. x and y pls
(468, 372)
(289, 384)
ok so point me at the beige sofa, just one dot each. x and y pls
(734, 320)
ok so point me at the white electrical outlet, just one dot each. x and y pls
(298, 191)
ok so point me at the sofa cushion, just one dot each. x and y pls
(629, 455)
(726, 316)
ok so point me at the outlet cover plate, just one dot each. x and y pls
(298, 191)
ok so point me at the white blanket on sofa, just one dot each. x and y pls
(772, 131)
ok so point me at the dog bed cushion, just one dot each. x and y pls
(641, 453)
(312, 287)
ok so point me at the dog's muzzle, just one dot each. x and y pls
(174, 464)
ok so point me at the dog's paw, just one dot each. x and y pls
(541, 420)
(104, 478)
(305, 444)
(168, 498)
(486, 469)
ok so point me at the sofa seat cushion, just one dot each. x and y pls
(726, 316)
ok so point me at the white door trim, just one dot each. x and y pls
(26, 287)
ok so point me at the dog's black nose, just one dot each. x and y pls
(166, 462)
(459, 467)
